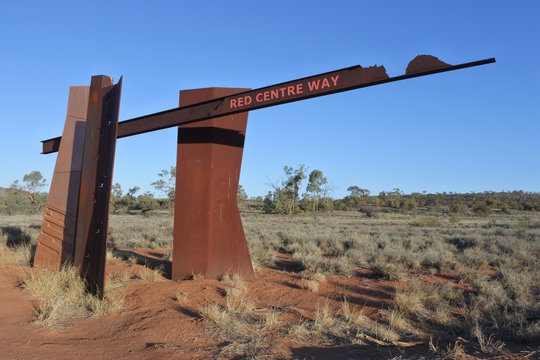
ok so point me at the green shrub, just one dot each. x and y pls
(482, 210)
(458, 208)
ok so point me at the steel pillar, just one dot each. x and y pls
(57, 235)
(96, 179)
(208, 234)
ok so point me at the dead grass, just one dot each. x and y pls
(16, 256)
(181, 297)
(61, 294)
(310, 284)
(18, 237)
(237, 323)
(488, 345)
(118, 277)
(345, 326)
(149, 275)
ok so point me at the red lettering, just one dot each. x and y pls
(299, 88)
(233, 103)
(290, 90)
(282, 91)
(266, 95)
(334, 79)
(258, 98)
(325, 83)
(248, 100)
(312, 85)
(240, 101)
(274, 94)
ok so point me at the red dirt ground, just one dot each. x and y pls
(153, 325)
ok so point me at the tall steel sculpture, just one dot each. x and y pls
(208, 233)
(75, 224)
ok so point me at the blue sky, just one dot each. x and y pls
(469, 130)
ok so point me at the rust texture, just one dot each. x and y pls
(96, 179)
(57, 235)
(423, 63)
(208, 234)
(351, 78)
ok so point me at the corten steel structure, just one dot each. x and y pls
(75, 224)
(208, 234)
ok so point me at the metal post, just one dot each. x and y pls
(208, 234)
(96, 179)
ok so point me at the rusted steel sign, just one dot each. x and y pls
(350, 78)
(208, 236)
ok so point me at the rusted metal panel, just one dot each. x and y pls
(208, 234)
(96, 179)
(57, 235)
(350, 78)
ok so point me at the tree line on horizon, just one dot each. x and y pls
(25, 197)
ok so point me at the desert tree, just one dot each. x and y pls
(241, 194)
(32, 182)
(315, 186)
(116, 190)
(291, 186)
(356, 193)
(167, 183)
(285, 195)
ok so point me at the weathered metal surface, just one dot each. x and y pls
(208, 234)
(57, 235)
(351, 78)
(96, 179)
(423, 63)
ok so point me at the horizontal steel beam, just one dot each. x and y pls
(332, 82)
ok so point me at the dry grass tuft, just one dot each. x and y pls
(149, 275)
(117, 278)
(112, 259)
(384, 269)
(237, 323)
(62, 294)
(198, 276)
(236, 286)
(488, 345)
(16, 256)
(215, 314)
(300, 330)
(181, 297)
(312, 282)
(324, 318)
(271, 320)
(309, 284)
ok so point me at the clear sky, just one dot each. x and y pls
(475, 129)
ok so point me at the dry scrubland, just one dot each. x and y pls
(467, 285)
